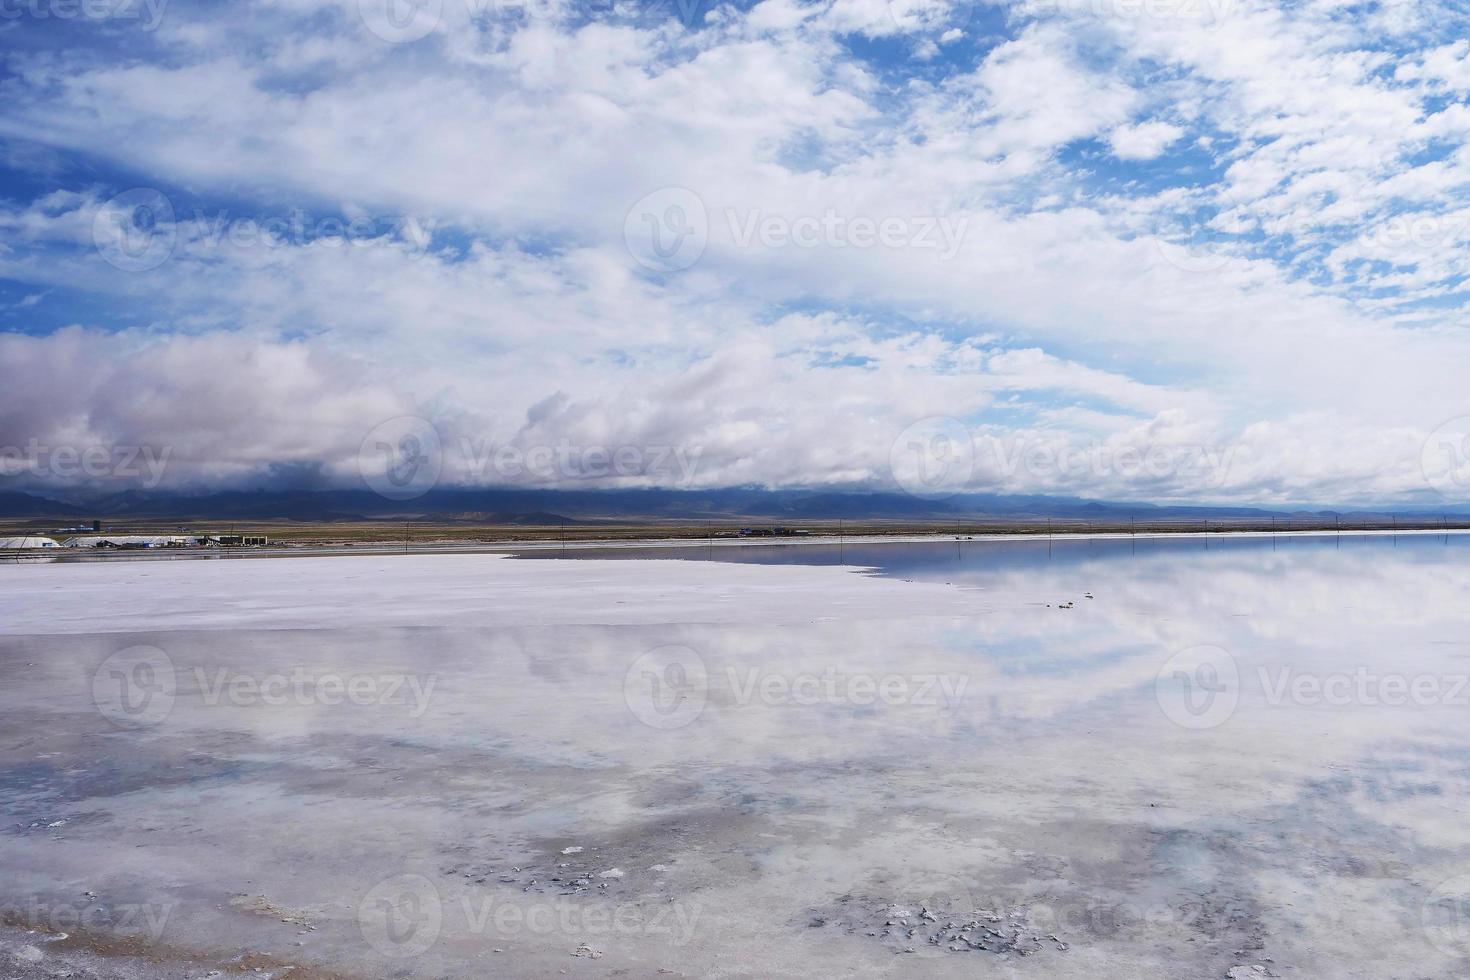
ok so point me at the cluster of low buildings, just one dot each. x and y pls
(770, 532)
(34, 542)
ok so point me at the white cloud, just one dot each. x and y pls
(1143, 141)
(1290, 287)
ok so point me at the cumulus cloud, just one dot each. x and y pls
(775, 237)
(1143, 141)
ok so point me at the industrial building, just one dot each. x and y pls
(167, 541)
(132, 541)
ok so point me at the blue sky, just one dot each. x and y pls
(850, 244)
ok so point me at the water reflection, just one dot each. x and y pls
(1174, 759)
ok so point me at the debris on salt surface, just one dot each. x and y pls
(262, 906)
(571, 850)
(903, 927)
(611, 873)
(588, 952)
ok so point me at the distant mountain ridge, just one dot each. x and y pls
(550, 507)
(14, 504)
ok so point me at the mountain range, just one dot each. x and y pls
(542, 507)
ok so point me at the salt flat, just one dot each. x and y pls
(416, 590)
(478, 766)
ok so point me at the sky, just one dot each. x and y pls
(1206, 251)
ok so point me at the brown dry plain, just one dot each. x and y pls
(469, 532)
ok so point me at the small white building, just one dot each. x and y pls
(27, 543)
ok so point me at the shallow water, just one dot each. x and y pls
(1238, 753)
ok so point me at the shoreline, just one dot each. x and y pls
(517, 548)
